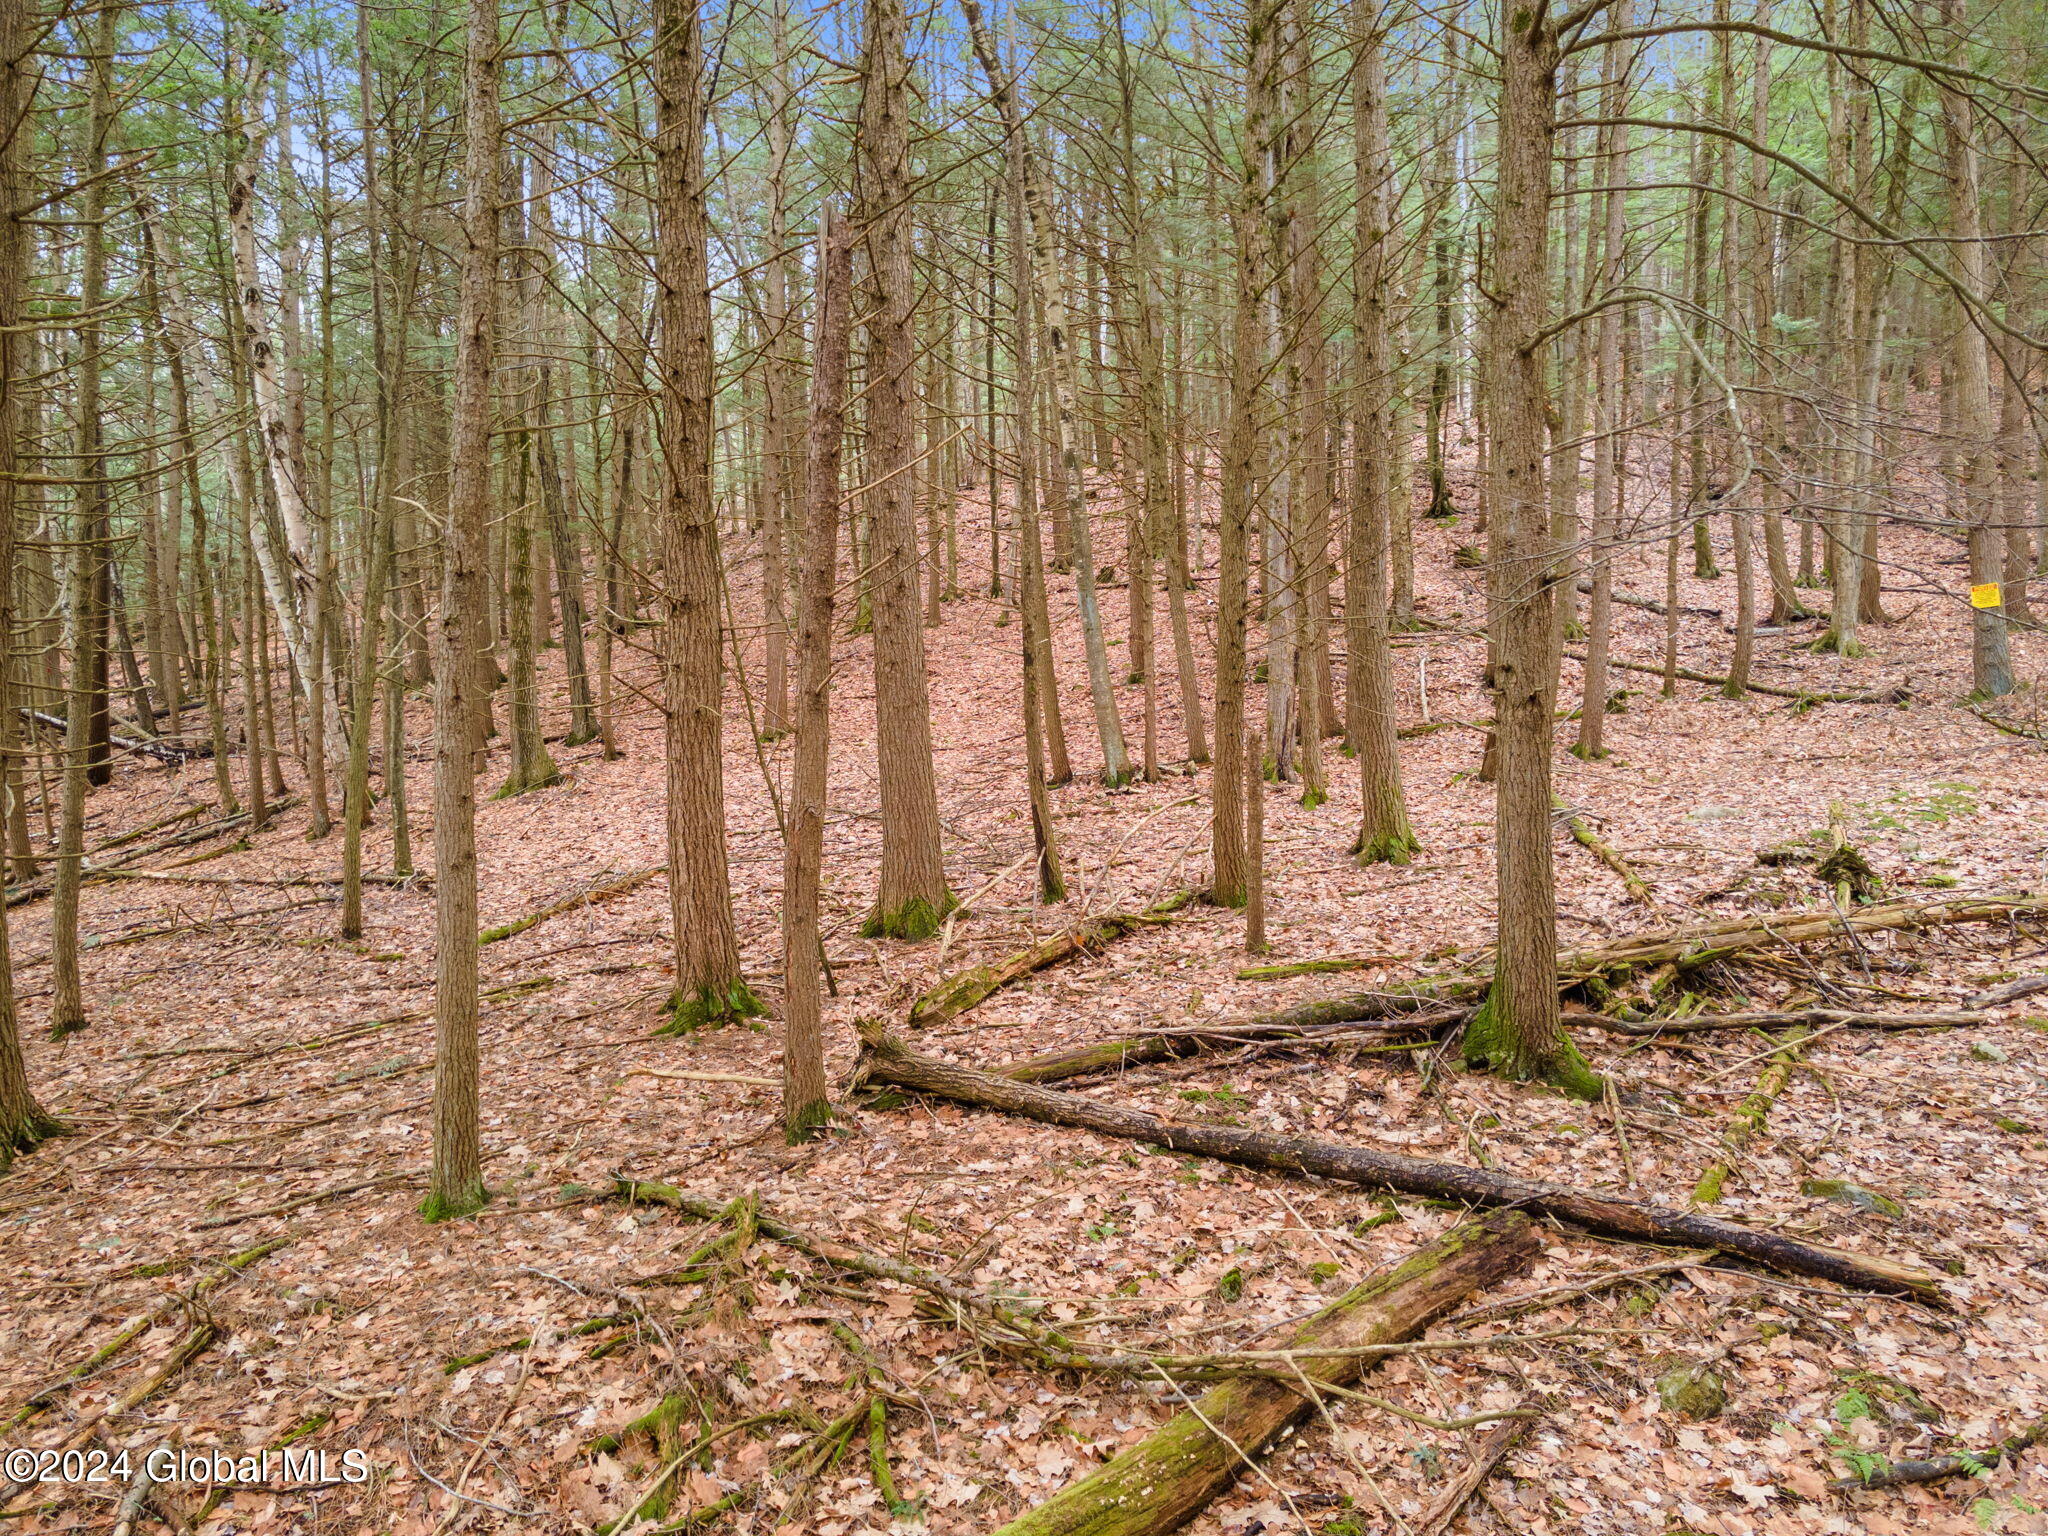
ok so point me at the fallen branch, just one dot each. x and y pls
(1310, 1024)
(23, 894)
(603, 891)
(1784, 1018)
(1165, 1480)
(958, 993)
(1896, 694)
(886, 1060)
(1749, 1118)
(1318, 967)
(186, 1299)
(1584, 835)
(300, 1201)
(1933, 1469)
(1493, 1445)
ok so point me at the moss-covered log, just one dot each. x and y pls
(1583, 834)
(604, 890)
(1165, 1480)
(961, 991)
(1685, 949)
(1749, 1118)
(889, 1061)
(1309, 1023)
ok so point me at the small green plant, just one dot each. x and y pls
(1324, 1271)
(1230, 1284)
(1943, 801)
(1853, 1405)
(1225, 1097)
(1864, 1465)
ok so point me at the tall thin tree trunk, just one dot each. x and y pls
(708, 988)
(1518, 1030)
(456, 1184)
(1384, 833)
(804, 1104)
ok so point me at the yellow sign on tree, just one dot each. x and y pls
(1986, 594)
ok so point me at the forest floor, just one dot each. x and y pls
(230, 1069)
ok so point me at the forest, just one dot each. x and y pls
(1025, 768)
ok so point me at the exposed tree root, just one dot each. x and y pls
(1165, 1480)
(958, 993)
(885, 1060)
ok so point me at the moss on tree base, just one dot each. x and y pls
(1491, 1045)
(1398, 847)
(545, 777)
(1832, 643)
(25, 1130)
(915, 919)
(61, 1029)
(453, 1205)
(709, 1008)
(807, 1122)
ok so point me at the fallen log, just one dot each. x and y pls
(1683, 949)
(1650, 604)
(958, 993)
(1749, 1118)
(1933, 1469)
(1897, 694)
(1783, 1018)
(142, 746)
(1309, 1023)
(2010, 992)
(604, 890)
(1584, 835)
(886, 1060)
(1166, 1479)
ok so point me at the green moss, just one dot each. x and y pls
(915, 920)
(452, 1205)
(63, 1029)
(708, 1008)
(1692, 1390)
(1396, 847)
(1831, 643)
(27, 1130)
(545, 775)
(807, 1122)
(1492, 1044)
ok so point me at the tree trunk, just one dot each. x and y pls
(1518, 1031)
(911, 898)
(1384, 833)
(804, 1104)
(24, 1124)
(708, 987)
(456, 1184)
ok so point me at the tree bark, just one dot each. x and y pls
(804, 1104)
(887, 1061)
(709, 989)
(1164, 1481)
(911, 898)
